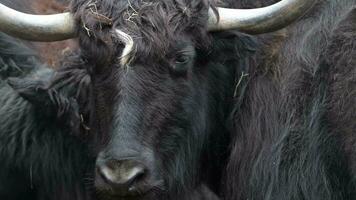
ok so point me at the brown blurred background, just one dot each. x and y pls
(51, 52)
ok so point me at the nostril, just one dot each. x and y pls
(136, 180)
(126, 175)
(134, 175)
(100, 174)
(105, 174)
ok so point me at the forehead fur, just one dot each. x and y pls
(155, 26)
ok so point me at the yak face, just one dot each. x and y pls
(160, 97)
(159, 121)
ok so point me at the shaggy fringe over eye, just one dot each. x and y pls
(163, 21)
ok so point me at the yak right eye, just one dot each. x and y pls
(181, 65)
(183, 61)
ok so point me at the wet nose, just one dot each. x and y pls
(122, 175)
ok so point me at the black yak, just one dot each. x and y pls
(294, 119)
(41, 157)
(173, 106)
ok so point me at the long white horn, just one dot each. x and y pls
(259, 20)
(36, 27)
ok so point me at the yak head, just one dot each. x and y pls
(158, 85)
(161, 95)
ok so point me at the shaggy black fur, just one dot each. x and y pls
(41, 158)
(16, 58)
(41, 155)
(270, 117)
(294, 138)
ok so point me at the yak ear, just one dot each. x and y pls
(33, 91)
(38, 94)
(48, 102)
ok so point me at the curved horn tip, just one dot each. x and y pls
(36, 27)
(260, 20)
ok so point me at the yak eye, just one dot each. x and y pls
(182, 61)
(181, 64)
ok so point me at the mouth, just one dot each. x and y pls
(141, 193)
(114, 195)
(135, 192)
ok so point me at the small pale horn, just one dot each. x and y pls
(129, 47)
